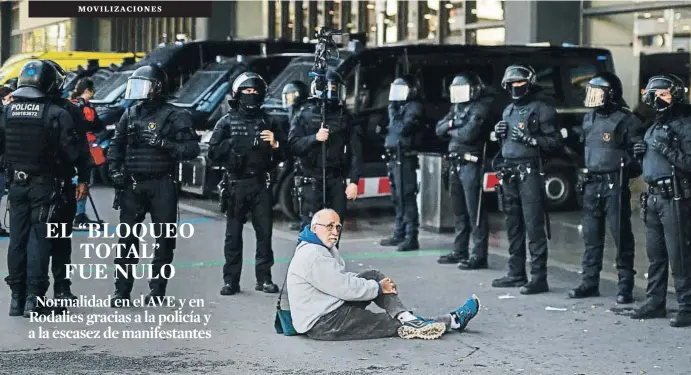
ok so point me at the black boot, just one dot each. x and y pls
(155, 297)
(230, 289)
(535, 286)
(409, 244)
(453, 258)
(624, 298)
(266, 287)
(392, 241)
(64, 294)
(295, 226)
(510, 282)
(473, 263)
(683, 319)
(120, 299)
(17, 304)
(584, 291)
(650, 311)
(30, 306)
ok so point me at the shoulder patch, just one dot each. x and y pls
(26, 110)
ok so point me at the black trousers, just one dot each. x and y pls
(668, 248)
(61, 248)
(404, 197)
(31, 203)
(159, 198)
(251, 197)
(465, 184)
(601, 207)
(313, 198)
(525, 215)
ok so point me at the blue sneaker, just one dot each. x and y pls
(467, 312)
(421, 329)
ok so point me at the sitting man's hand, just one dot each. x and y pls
(387, 286)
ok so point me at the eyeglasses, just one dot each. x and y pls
(331, 227)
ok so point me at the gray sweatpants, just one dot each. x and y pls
(352, 321)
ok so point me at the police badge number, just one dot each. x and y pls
(606, 137)
(152, 126)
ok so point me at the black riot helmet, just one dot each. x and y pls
(147, 82)
(36, 80)
(673, 88)
(403, 89)
(60, 79)
(465, 87)
(604, 89)
(294, 93)
(249, 80)
(518, 73)
(331, 86)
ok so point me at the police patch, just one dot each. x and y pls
(26, 110)
(152, 126)
(606, 137)
(521, 125)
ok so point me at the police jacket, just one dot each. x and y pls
(405, 120)
(130, 149)
(83, 165)
(38, 136)
(609, 136)
(675, 132)
(236, 144)
(343, 148)
(468, 125)
(536, 119)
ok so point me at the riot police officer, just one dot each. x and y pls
(527, 131)
(150, 139)
(406, 118)
(249, 146)
(604, 184)
(38, 136)
(666, 153)
(467, 123)
(295, 94)
(328, 146)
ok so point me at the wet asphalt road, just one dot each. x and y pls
(514, 334)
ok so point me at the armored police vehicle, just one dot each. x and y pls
(562, 72)
(94, 71)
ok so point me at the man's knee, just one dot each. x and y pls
(375, 275)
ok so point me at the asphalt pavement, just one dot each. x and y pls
(513, 334)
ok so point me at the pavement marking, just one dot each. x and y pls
(200, 211)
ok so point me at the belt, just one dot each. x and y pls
(659, 190)
(21, 176)
(464, 158)
(246, 179)
(139, 177)
(603, 177)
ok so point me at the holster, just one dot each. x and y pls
(583, 178)
(223, 194)
(643, 201)
(500, 196)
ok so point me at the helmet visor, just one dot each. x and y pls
(138, 89)
(289, 99)
(335, 92)
(398, 93)
(594, 97)
(459, 93)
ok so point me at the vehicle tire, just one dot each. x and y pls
(285, 198)
(561, 191)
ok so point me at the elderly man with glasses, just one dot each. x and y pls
(328, 303)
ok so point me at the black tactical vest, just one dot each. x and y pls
(140, 157)
(255, 153)
(525, 118)
(336, 145)
(605, 145)
(30, 142)
(461, 113)
(655, 165)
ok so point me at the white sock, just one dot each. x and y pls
(455, 324)
(406, 316)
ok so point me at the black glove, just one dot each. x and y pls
(501, 128)
(519, 136)
(117, 178)
(152, 139)
(663, 145)
(639, 149)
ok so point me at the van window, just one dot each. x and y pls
(375, 83)
(578, 77)
(548, 79)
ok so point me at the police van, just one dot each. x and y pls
(562, 73)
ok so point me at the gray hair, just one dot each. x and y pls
(317, 216)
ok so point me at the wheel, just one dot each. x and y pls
(285, 198)
(560, 190)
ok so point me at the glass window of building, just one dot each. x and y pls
(494, 36)
(371, 23)
(484, 11)
(430, 15)
(456, 18)
(390, 21)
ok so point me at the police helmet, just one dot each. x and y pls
(603, 89)
(60, 79)
(465, 87)
(403, 89)
(294, 93)
(248, 80)
(332, 85)
(147, 82)
(664, 82)
(36, 79)
(518, 73)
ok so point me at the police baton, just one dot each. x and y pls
(681, 237)
(620, 199)
(481, 165)
(548, 227)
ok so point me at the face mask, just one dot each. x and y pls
(250, 100)
(518, 92)
(660, 105)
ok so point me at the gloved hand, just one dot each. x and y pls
(501, 128)
(152, 139)
(519, 136)
(117, 178)
(639, 149)
(662, 144)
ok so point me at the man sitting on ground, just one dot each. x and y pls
(328, 303)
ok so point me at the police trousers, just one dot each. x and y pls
(465, 183)
(524, 209)
(157, 197)
(601, 207)
(404, 189)
(31, 204)
(667, 246)
(248, 197)
(352, 321)
(313, 197)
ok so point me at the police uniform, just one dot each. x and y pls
(527, 131)
(604, 184)
(294, 96)
(39, 137)
(248, 159)
(150, 139)
(467, 125)
(666, 153)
